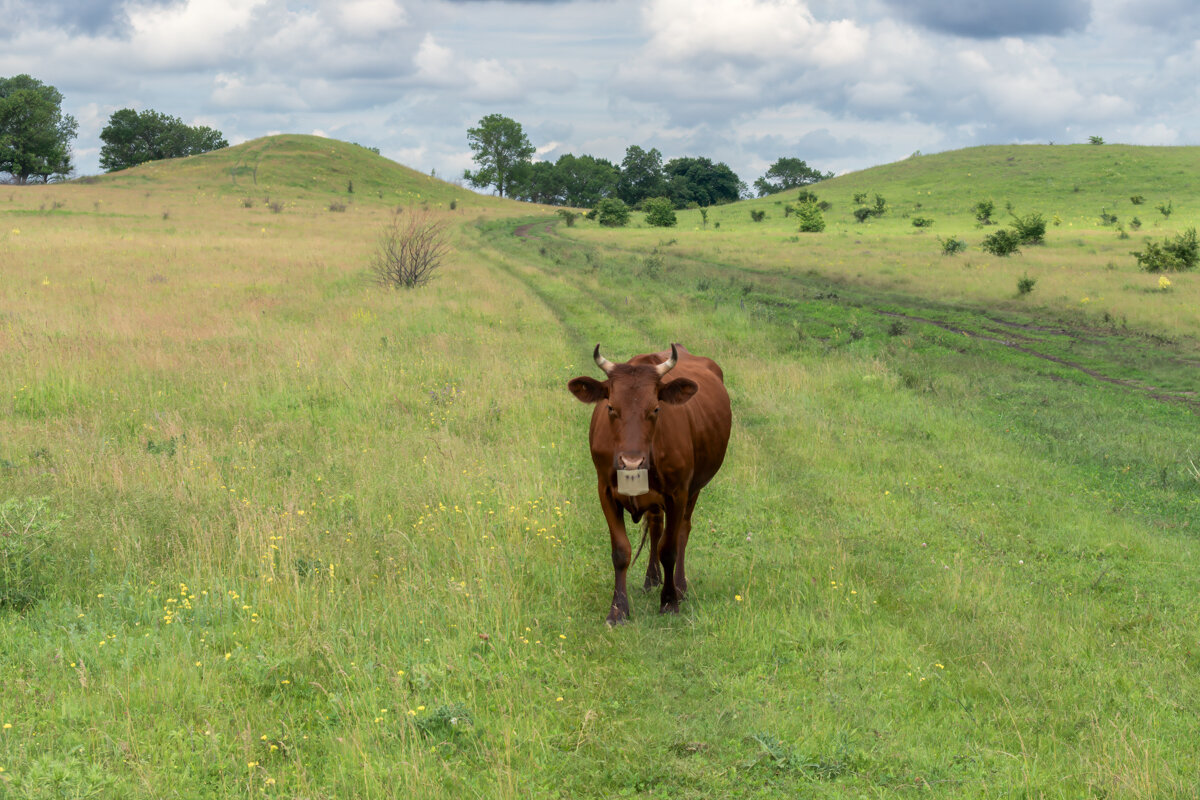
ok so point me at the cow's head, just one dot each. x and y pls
(632, 397)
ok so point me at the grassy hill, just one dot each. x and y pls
(267, 529)
(296, 167)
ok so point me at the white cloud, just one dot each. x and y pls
(365, 18)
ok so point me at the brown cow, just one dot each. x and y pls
(658, 436)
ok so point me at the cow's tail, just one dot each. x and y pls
(645, 530)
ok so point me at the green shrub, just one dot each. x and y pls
(862, 213)
(860, 197)
(1025, 284)
(922, 222)
(568, 216)
(612, 212)
(880, 207)
(1003, 242)
(660, 212)
(1174, 255)
(952, 245)
(1135, 223)
(1137, 199)
(1107, 218)
(983, 212)
(807, 196)
(810, 217)
(1165, 209)
(757, 215)
(1095, 140)
(1031, 228)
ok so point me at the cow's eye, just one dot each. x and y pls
(654, 412)
(613, 413)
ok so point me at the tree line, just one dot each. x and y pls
(35, 134)
(504, 157)
(35, 145)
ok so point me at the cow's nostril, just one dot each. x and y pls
(631, 462)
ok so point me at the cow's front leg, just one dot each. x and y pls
(614, 515)
(668, 550)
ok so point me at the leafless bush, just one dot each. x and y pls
(411, 249)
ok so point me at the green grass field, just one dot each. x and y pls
(270, 530)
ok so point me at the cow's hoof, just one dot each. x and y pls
(651, 582)
(616, 617)
(669, 608)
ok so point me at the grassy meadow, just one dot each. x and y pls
(269, 530)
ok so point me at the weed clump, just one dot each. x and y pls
(26, 529)
(1025, 284)
(922, 222)
(757, 214)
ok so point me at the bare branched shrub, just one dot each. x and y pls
(411, 249)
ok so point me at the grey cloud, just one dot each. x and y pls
(987, 19)
(90, 17)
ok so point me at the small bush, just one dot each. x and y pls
(1025, 284)
(454, 205)
(860, 197)
(1165, 209)
(1107, 218)
(810, 217)
(1031, 228)
(1003, 242)
(275, 206)
(612, 212)
(1095, 140)
(568, 216)
(922, 222)
(983, 212)
(1174, 255)
(704, 216)
(1135, 223)
(757, 215)
(411, 249)
(862, 213)
(880, 207)
(952, 245)
(247, 202)
(1137, 199)
(807, 196)
(337, 206)
(660, 212)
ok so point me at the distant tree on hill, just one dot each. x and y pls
(580, 181)
(642, 175)
(135, 137)
(35, 136)
(788, 173)
(700, 181)
(502, 151)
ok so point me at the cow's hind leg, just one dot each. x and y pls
(654, 527)
(685, 530)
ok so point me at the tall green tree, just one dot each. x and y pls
(788, 173)
(642, 175)
(35, 135)
(135, 137)
(502, 151)
(587, 180)
(700, 181)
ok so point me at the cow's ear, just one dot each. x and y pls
(677, 391)
(588, 390)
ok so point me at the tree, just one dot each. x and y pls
(700, 181)
(641, 175)
(135, 137)
(537, 183)
(35, 136)
(501, 149)
(788, 173)
(586, 180)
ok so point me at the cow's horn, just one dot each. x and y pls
(669, 364)
(602, 362)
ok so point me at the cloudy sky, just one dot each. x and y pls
(843, 84)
